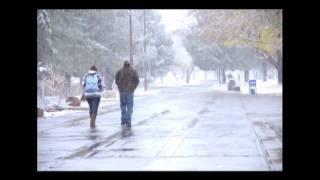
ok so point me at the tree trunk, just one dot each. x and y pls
(246, 75)
(277, 64)
(144, 52)
(187, 77)
(81, 87)
(130, 34)
(82, 90)
(279, 75)
(223, 75)
(145, 77)
(279, 67)
(188, 73)
(108, 80)
(67, 85)
(264, 71)
(80, 83)
(219, 76)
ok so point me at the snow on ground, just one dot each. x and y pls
(42, 69)
(50, 101)
(221, 87)
(58, 113)
(179, 83)
(75, 80)
(271, 86)
(142, 92)
(163, 131)
(170, 80)
(268, 87)
(178, 80)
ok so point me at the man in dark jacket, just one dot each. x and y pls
(127, 80)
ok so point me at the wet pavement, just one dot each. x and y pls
(189, 128)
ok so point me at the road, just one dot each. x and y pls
(188, 128)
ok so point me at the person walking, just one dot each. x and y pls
(127, 80)
(92, 92)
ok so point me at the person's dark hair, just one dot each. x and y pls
(94, 68)
(126, 64)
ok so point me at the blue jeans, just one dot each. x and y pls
(93, 104)
(126, 105)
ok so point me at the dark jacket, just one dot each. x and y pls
(127, 79)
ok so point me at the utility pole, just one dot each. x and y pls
(130, 45)
(144, 51)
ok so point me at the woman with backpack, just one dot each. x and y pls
(92, 91)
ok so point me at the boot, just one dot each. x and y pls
(93, 120)
(90, 119)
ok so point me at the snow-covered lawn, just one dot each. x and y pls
(268, 87)
(70, 109)
(51, 101)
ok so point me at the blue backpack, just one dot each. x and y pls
(91, 83)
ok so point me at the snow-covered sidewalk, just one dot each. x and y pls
(190, 129)
(268, 87)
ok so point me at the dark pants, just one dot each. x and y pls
(93, 104)
(126, 105)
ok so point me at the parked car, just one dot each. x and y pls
(233, 85)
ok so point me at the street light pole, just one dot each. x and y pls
(130, 45)
(144, 51)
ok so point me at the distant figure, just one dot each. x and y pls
(127, 80)
(92, 91)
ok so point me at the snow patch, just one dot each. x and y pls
(142, 92)
(58, 113)
(268, 87)
(43, 69)
(75, 80)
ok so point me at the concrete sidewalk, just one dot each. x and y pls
(179, 129)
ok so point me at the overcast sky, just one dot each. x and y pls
(174, 19)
